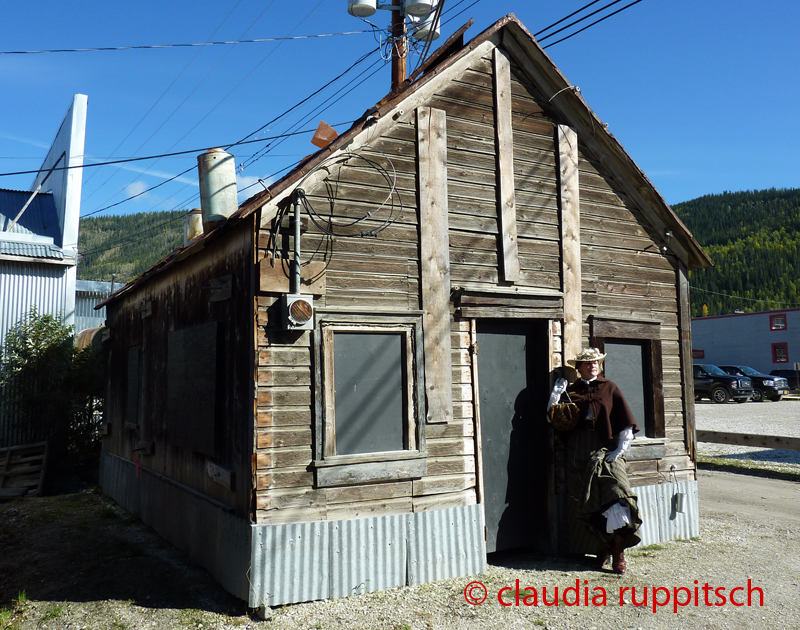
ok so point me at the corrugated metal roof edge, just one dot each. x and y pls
(697, 256)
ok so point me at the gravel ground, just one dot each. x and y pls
(730, 551)
(767, 418)
(79, 562)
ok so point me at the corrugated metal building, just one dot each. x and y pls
(88, 294)
(766, 341)
(379, 418)
(39, 242)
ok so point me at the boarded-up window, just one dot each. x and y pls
(132, 388)
(372, 387)
(627, 364)
(370, 405)
(634, 363)
(192, 387)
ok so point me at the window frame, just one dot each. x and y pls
(780, 345)
(332, 469)
(647, 333)
(774, 317)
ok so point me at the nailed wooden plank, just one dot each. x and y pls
(685, 327)
(292, 515)
(277, 417)
(369, 492)
(443, 484)
(289, 498)
(435, 261)
(23, 467)
(370, 472)
(283, 436)
(283, 458)
(286, 376)
(451, 465)
(569, 194)
(221, 475)
(277, 279)
(505, 167)
(442, 447)
(284, 356)
(443, 501)
(284, 479)
(749, 439)
(364, 509)
(453, 429)
(284, 397)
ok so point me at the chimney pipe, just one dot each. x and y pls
(217, 170)
(192, 226)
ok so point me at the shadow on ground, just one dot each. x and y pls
(84, 547)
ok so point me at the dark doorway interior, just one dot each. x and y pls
(514, 386)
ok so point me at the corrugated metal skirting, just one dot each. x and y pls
(299, 562)
(211, 537)
(662, 522)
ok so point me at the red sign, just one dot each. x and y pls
(698, 354)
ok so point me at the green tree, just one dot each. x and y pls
(53, 392)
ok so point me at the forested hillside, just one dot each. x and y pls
(754, 239)
(126, 245)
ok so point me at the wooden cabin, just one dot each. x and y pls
(379, 420)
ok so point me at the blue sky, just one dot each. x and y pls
(702, 95)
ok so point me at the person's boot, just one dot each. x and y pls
(618, 554)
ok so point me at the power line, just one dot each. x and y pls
(739, 297)
(255, 157)
(173, 153)
(583, 8)
(153, 106)
(627, 6)
(202, 44)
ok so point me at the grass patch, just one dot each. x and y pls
(54, 613)
(646, 552)
(748, 467)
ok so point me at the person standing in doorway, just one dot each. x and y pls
(600, 494)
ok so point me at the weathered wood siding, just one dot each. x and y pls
(623, 275)
(181, 298)
(623, 272)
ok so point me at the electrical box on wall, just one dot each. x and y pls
(298, 312)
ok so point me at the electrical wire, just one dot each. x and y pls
(152, 107)
(173, 153)
(222, 100)
(159, 46)
(583, 8)
(124, 241)
(738, 297)
(603, 19)
(437, 15)
(258, 156)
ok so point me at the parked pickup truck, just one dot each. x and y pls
(792, 376)
(714, 383)
(764, 385)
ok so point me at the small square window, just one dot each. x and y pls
(780, 353)
(368, 416)
(777, 322)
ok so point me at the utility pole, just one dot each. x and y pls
(399, 45)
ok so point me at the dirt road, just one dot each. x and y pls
(759, 498)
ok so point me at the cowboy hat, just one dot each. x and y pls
(586, 356)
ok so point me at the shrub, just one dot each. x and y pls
(51, 391)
